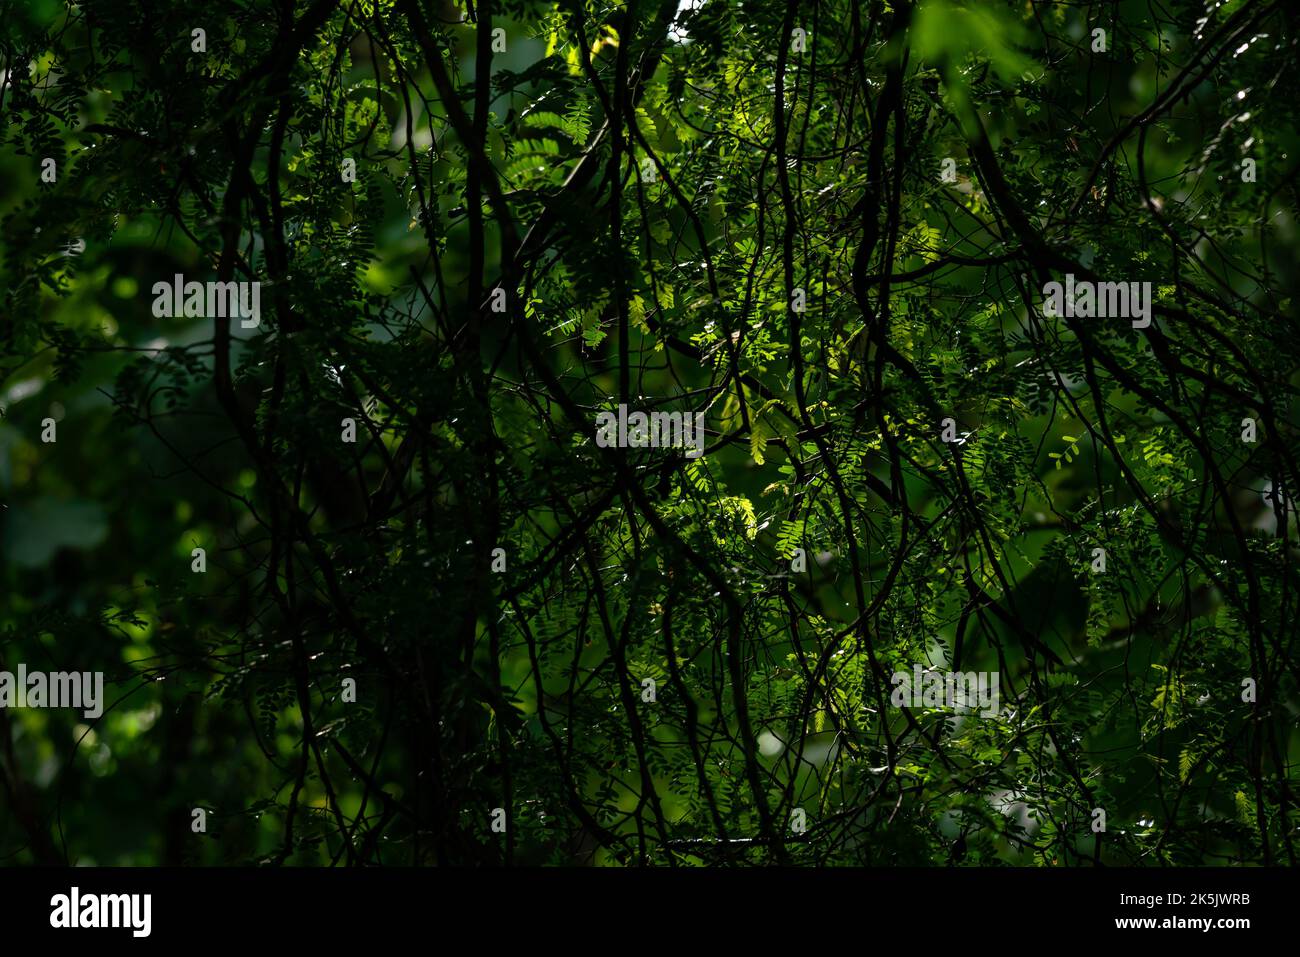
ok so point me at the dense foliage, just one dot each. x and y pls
(827, 225)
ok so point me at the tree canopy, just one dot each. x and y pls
(369, 581)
